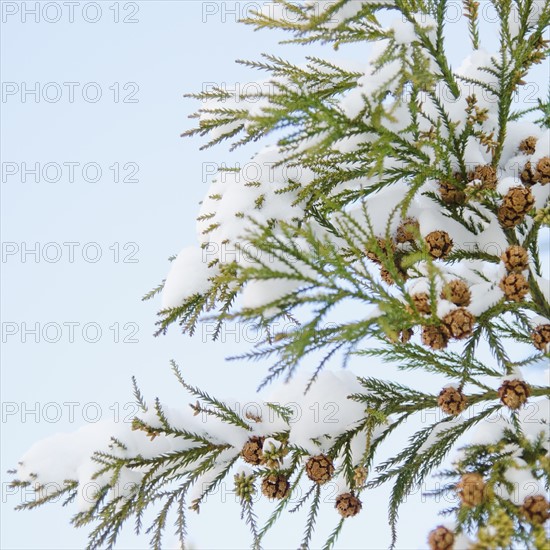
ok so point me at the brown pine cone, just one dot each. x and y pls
(406, 335)
(508, 217)
(319, 469)
(536, 509)
(348, 505)
(520, 199)
(517, 202)
(435, 337)
(514, 393)
(486, 174)
(515, 259)
(254, 417)
(252, 450)
(457, 292)
(514, 286)
(450, 193)
(373, 255)
(528, 145)
(406, 231)
(439, 244)
(542, 171)
(526, 176)
(471, 488)
(387, 276)
(275, 486)
(441, 538)
(452, 401)
(421, 302)
(541, 337)
(460, 323)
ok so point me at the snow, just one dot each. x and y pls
(518, 131)
(324, 412)
(444, 307)
(261, 293)
(474, 155)
(542, 147)
(257, 193)
(60, 456)
(505, 184)
(271, 445)
(534, 418)
(524, 484)
(541, 194)
(544, 286)
(484, 297)
(188, 275)
(403, 31)
(379, 208)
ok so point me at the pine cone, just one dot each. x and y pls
(457, 292)
(441, 539)
(348, 505)
(372, 254)
(386, 276)
(406, 335)
(319, 469)
(514, 286)
(439, 244)
(536, 509)
(452, 401)
(520, 199)
(486, 174)
(275, 486)
(451, 193)
(421, 302)
(528, 145)
(404, 233)
(542, 172)
(508, 217)
(435, 337)
(514, 393)
(252, 450)
(254, 417)
(541, 337)
(460, 323)
(517, 202)
(244, 486)
(527, 177)
(515, 259)
(471, 488)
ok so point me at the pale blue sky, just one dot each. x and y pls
(169, 51)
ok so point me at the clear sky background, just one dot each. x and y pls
(140, 211)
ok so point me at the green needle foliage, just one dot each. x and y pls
(382, 256)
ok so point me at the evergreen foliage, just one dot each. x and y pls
(406, 141)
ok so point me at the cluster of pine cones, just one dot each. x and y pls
(275, 485)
